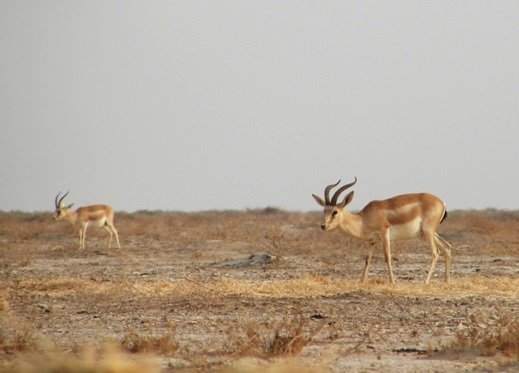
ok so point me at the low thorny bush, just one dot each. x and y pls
(284, 338)
(503, 338)
(163, 344)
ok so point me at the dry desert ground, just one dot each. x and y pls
(254, 291)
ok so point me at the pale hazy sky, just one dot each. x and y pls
(196, 105)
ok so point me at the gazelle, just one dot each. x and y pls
(99, 215)
(401, 217)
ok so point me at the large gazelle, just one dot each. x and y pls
(401, 217)
(99, 215)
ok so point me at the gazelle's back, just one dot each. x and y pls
(97, 212)
(405, 212)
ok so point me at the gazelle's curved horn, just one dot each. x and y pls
(340, 190)
(61, 199)
(327, 192)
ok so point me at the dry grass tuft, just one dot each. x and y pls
(23, 349)
(18, 340)
(108, 359)
(290, 338)
(287, 337)
(18, 337)
(135, 343)
(478, 337)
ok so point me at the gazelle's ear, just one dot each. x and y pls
(319, 200)
(70, 206)
(347, 199)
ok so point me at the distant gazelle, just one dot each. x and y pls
(99, 215)
(401, 217)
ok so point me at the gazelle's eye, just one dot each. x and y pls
(334, 213)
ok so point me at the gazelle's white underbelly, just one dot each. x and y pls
(97, 223)
(410, 229)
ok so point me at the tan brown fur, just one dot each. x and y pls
(400, 217)
(388, 211)
(95, 212)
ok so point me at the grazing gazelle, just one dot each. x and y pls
(401, 217)
(99, 215)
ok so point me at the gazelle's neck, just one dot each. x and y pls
(351, 223)
(71, 216)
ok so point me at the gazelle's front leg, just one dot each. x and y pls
(80, 237)
(434, 256)
(368, 261)
(386, 243)
(82, 234)
(446, 247)
(116, 236)
(112, 231)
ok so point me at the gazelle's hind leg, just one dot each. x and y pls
(116, 237)
(434, 252)
(107, 228)
(387, 254)
(110, 228)
(80, 238)
(446, 247)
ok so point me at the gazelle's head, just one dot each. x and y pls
(333, 211)
(61, 209)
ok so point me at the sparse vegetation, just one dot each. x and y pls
(487, 337)
(173, 297)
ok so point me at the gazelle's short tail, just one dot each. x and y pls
(444, 214)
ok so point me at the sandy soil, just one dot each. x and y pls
(223, 285)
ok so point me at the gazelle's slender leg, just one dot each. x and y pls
(434, 253)
(109, 230)
(84, 228)
(112, 228)
(446, 247)
(387, 254)
(368, 262)
(80, 237)
(116, 237)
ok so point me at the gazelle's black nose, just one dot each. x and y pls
(323, 227)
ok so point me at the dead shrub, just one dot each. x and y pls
(286, 337)
(503, 338)
(289, 337)
(289, 342)
(275, 237)
(251, 345)
(135, 343)
(16, 337)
